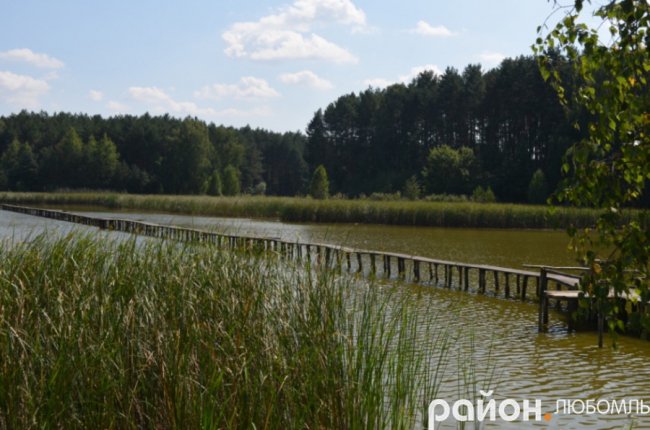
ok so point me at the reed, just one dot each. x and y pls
(107, 333)
(295, 209)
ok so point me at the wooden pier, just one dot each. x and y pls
(497, 281)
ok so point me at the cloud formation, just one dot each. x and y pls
(425, 29)
(36, 59)
(249, 87)
(307, 78)
(95, 95)
(491, 58)
(403, 79)
(117, 107)
(160, 102)
(22, 91)
(287, 34)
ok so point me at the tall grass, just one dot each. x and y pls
(125, 334)
(294, 209)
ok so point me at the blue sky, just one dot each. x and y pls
(269, 64)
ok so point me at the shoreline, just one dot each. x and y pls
(334, 211)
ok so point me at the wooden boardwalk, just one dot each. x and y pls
(483, 279)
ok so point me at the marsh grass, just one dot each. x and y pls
(294, 209)
(143, 334)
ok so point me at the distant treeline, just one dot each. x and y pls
(146, 154)
(491, 129)
(444, 134)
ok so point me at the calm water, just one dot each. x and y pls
(528, 365)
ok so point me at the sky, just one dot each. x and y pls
(268, 64)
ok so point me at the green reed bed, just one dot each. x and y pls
(295, 209)
(98, 333)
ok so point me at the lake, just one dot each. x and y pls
(500, 335)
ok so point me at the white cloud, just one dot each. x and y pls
(117, 107)
(95, 95)
(287, 34)
(378, 82)
(22, 91)
(404, 79)
(306, 77)
(248, 87)
(425, 29)
(43, 61)
(491, 58)
(244, 113)
(160, 102)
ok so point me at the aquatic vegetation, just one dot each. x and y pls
(295, 209)
(98, 333)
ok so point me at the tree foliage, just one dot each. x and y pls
(373, 141)
(18, 166)
(215, 187)
(412, 189)
(319, 187)
(610, 167)
(144, 154)
(449, 170)
(231, 181)
(538, 188)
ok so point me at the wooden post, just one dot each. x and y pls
(400, 267)
(466, 278)
(507, 285)
(543, 299)
(446, 281)
(416, 270)
(601, 324)
(496, 281)
(481, 280)
(518, 285)
(572, 306)
(360, 263)
(524, 287)
(373, 267)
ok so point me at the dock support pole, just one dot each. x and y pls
(543, 301)
(481, 281)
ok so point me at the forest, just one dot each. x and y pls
(438, 134)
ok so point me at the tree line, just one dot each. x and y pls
(502, 132)
(147, 154)
(448, 133)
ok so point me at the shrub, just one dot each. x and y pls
(320, 186)
(538, 188)
(483, 195)
(412, 188)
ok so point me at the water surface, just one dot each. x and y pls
(528, 365)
